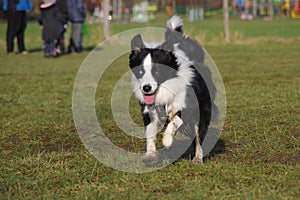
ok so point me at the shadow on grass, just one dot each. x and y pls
(88, 48)
(91, 48)
(219, 148)
(35, 50)
(173, 155)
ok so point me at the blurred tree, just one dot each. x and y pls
(226, 20)
(106, 19)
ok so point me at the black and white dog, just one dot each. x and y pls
(172, 77)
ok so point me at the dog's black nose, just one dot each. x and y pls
(147, 88)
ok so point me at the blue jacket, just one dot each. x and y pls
(76, 10)
(22, 5)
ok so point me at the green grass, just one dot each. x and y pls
(42, 157)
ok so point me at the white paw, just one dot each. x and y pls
(149, 157)
(198, 161)
(167, 140)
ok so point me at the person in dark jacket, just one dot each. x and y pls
(63, 16)
(76, 14)
(52, 22)
(16, 23)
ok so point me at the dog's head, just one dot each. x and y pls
(150, 68)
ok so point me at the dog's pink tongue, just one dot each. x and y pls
(149, 99)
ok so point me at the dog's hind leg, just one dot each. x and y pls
(198, 158)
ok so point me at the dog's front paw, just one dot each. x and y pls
(198, 161)
(149, 157)
(167, 140)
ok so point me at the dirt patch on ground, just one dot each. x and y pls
(287, 159)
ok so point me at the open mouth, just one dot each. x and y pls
(149, 98)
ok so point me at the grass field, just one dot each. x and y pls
(42, 156)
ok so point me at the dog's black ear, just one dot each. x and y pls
(137, 43)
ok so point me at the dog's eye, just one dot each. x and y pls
(139, 73)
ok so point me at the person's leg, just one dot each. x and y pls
(60, 44)
(46, 49)
(20, 34)
(77, 36)
(10, 32)
(52, 48)
(71, 46)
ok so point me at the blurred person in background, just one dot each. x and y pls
(76, 14)
(53, 22)
(63, 17)
(16, 12)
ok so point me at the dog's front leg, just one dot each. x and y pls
(151, 123)
(170, 131)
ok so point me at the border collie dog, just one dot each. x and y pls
(172, 80)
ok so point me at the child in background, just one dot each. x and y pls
(52, 22)
(63, 17)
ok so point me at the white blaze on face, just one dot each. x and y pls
(148, 80)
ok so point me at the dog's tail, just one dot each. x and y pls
(175, 23)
